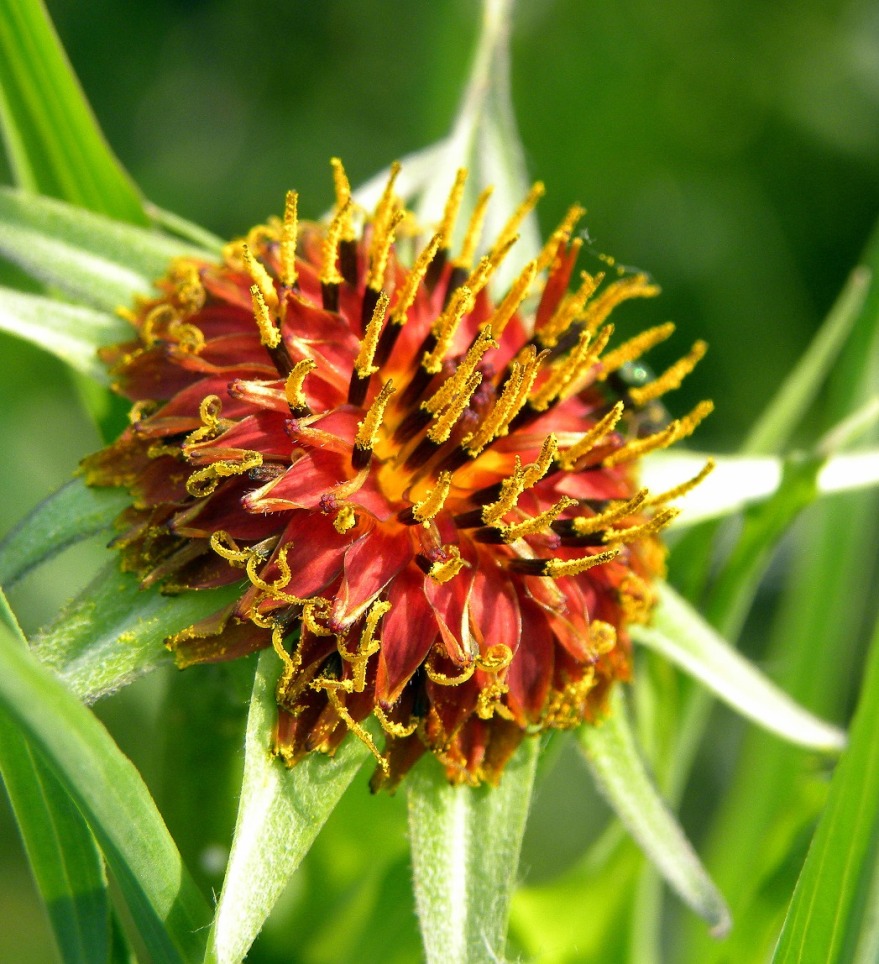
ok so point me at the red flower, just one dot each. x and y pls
(429, 499)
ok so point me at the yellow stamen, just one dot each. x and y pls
(269, 334)
(441, 679)
(562, 233)
(569, 311)
(498, 419)
(442, 572)
(511, 228)
(291, 663)
(363, 365)
(313, 609)
(519, 481)
(204, 481)
(596, 434)
(636, 286)
(488, 702)
(329, 274)
(382, 240)
(674, 432)
(331, 688)
(345, 519)
(211, 424)
(556, 568)
(658, 522)
(445, 326)
(431, 505)
(452, 387)
(602, 637)
(397, 730)
(262, 279)
(539, 467)
(535, 525)
(367, 647)
(453, 204)
(295, 380)
(515, 296)
(406, 296)
(343, 199)
(675, 493)
(671, 378)
(288, 240)
(226, 547)
(367, 429)
(440, 431)
(565, 374)
(474, 230)
(635, 348)
(586, 525)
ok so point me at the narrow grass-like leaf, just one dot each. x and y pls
(185, 229)
(833, 915)
(113, 631)
(620, 773)
(280, 813)
(465, 855)
(73, 513)
(680, 634)
(163, 902)
(88, 257)
(63, 856)
(55, 144)
(70, 332)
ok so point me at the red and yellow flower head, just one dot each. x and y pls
(428, 498)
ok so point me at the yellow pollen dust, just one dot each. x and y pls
(679, 429)
(384, 221)
(556, 568)
(679, 490)
(295, 380)
(636, 286)
(431, 505)
(345, 519)
(440, 431)
(442, 572)
(406, 297)
(569, 311)
(511, 228)
(367, 429)
(444, 328)
(211, 424)
(634, 348)
(363, 364)
(269, 334)
(453, 205)
(204, 481)
(586, 525)
(289, 230)
(474, 230)
(569, 458)
(519, 481)
(602, 637)
(634, 533)
(535, 525)
(565, 374)
(671, 378)
(513, 299)
(454, 384)
(329, 274)
(367, 647)
(561, 235)
(343, 199)
(262, 279)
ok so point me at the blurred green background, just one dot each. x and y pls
(731, 150)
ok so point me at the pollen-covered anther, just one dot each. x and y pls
(269, 334)
(474, 230)
(556, 568)
(293, 387)
(345, 519)
(329, 275)
(203, 482)
(368, 428)
(571, 456)
(671, 378)
(635, 286)
(407, 294)
(511, 228)
(684, 487)
(444, 328)
(453, 205)
(602, 637)
(569, 311)
(513, 299)
(566, 374)
(224, 545)
(442, 427)
(443, 679)
(431, 505)
(344, 204)
(535, 525)
(263, 281)
(560, 236)
(364, 364)
(289, 230)
(452, 387)
(674, 432)
(212, 425)
(587, 525)
(444, 570)
(368, 645)
(634, 348)
(521, 479)
(634, 533)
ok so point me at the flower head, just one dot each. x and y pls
(428, 497)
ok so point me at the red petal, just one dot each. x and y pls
(370, 564)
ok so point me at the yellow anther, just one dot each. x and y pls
(453, 204)
(345, 519)
(679, 490)
(635, 348)
(674, 432)
(262, 279)
(637, 597)
(269, 334)
(561, 234)
(569, 311)
(382, 240)
(565, 374)
(295, 380)
(586, 525)
(445, 326)
(632, 534)
(539, 467)
(688, 423)
(488, 264)
(511, 228)
(442, 679)
(444, 571)
(569, 458)
(343, 199)
(602, 637)
(407, 293)
(291, 663)
(635, 286)
(431, 505)
(498, 419)
(474, 230)
(440, 431)
(363, 364)
(497, 657)
(204, 481)
(367, 647)
(519, 481)
(671, 378)
(515, 296)
(329, 274)
(452, 387)
(189, 293)
(226, 547)
(313, 609)
(274, 590)
(331, 687)
(535, 525)
(157, 322)
(488, 702)
(289, 231)
(211, 424)
(398, 730)
(367, 429)
(556, 568)
(190, 338)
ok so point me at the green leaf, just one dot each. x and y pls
(163, 902)
(114, 631)
(619, 771)
(64, 858)
(832, 916)
(465, 854)
(187, 230)
(70, 332)
(680, 634)
(55, 144)
(73, 513)
(280, 813)
(89, 258)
